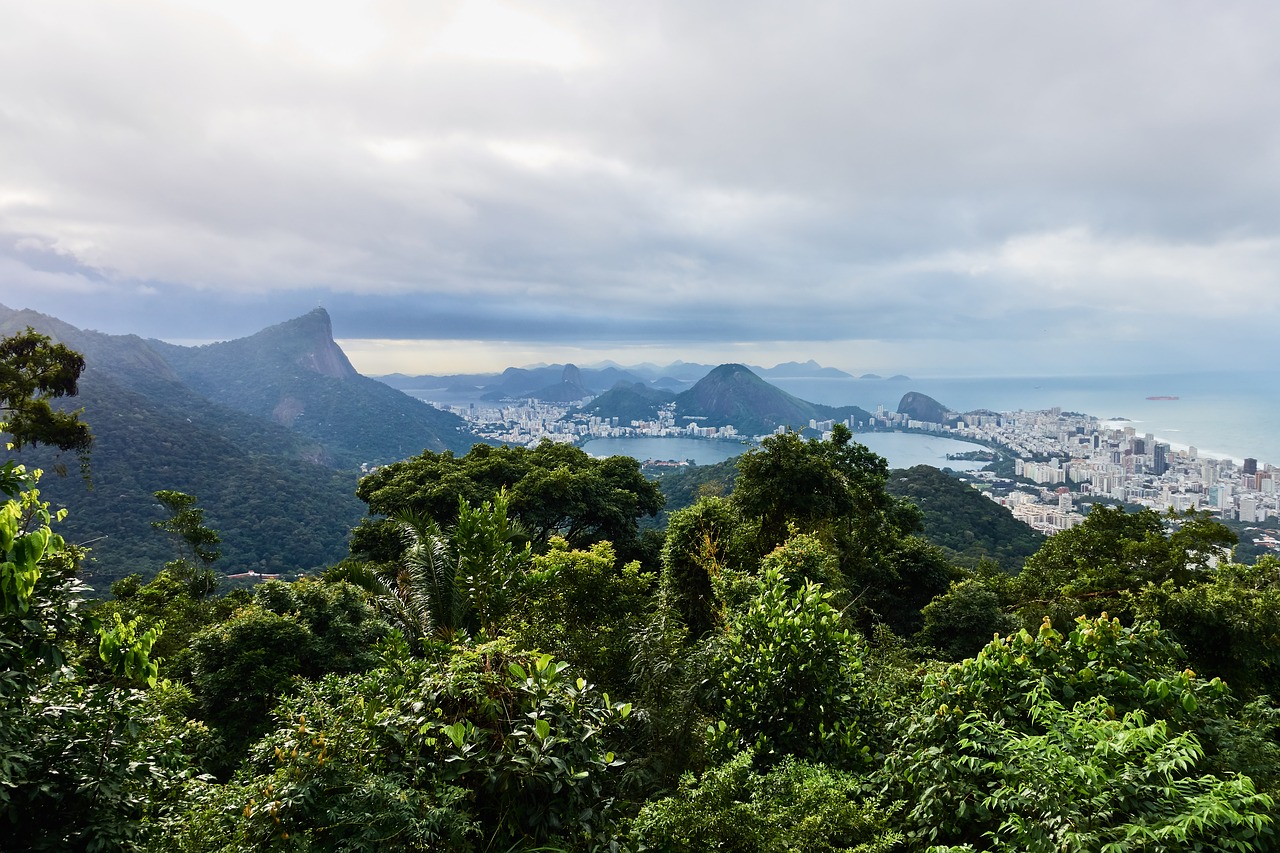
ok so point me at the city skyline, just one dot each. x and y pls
(474, 184)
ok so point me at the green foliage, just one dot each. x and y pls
(1229, 623)
(290, 631)
(200, 543)
(1012, 748)
(685, 486)
(795, 806)
(127, 653)
(787, 677)
(804, 558)
(33, 370)
(962, 621)
(966, 525)
(1092, 567)
(275, 508)
(488, 559)
(554, 490)
(448, 582)
(701, 544)
(484, 749)
(80, 763)
(836, 489)
(582, 608)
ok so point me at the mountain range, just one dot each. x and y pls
(267, 432)
(728, 394)
(543, 382)
(270, 432)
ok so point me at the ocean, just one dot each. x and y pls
(1224, 414)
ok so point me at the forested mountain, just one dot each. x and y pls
(960, 520)
(296, 375)
(515, 382)
(922, 407)
(732, 394)
(198, 420)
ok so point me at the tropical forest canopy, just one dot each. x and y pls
(505, 660)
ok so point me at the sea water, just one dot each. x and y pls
(1224, 414)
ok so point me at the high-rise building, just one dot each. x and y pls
(1159, 458)
(1250, 466)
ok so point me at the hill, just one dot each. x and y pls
(964, 523)
(628, 401)
(733, 394)
(922, 407)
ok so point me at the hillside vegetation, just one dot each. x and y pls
(790, 666)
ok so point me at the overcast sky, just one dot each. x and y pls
(945, 188)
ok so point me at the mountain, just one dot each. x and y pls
(568, 390)
(272, 491)
(733, 394)
(808, 370)
(541, 382)
(922, 407)
(295, 375)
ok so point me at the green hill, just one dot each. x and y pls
(732, 394)
(628, 401)
(961, 520)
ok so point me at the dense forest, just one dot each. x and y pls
(505, 660)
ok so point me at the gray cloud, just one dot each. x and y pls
(1087, 178)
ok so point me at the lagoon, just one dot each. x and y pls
(901, 449)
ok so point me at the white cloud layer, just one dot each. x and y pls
(881, 184)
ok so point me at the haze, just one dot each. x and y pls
(985, 188)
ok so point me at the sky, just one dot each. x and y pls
(935, 188)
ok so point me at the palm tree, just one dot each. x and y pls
(448, 582)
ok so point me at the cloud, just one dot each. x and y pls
(1087, 178)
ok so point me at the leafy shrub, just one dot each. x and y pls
(795, 806)
(1093, 741)
(480, 748)
(787, 677)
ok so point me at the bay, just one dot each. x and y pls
(703, 451)
(900, 449)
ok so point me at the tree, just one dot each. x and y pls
(1096, 565)
(583, 608)
(81, 762)
(836, 490)
(701, 544)
(200, 543)
(962, 621)
(793, 806)
(447, 581)
(34, 370)
(554, 490)
(479, 749)
(788, 677)
(1097, 740)
(241, 666)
